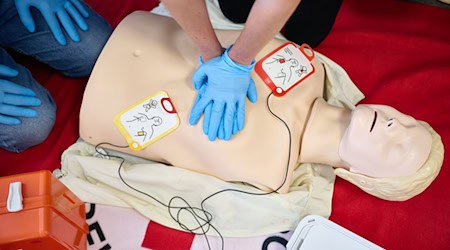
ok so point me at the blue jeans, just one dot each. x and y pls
(76, 59)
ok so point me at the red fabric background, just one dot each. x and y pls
(397, 53)
(160, 237)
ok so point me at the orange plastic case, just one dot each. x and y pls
(52, 216)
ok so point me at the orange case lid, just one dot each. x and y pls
(42, 189)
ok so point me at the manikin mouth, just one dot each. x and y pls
(374, 121)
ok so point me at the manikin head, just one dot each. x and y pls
(382, 142)
(389, 154)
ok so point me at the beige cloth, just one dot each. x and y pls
(96, 180)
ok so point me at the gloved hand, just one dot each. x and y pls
(226, 86)
(13, 98)
(207, 117)
(207, 112)
(54, 13)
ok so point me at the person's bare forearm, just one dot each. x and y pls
(193, 17)
(265, 20)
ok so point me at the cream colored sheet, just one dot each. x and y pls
(95, 179)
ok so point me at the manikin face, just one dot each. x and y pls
(382, 142)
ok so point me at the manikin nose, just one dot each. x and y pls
(392, 123)
(406, 122)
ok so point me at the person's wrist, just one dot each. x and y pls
(239, 57)
(231, 62)
(210, 53)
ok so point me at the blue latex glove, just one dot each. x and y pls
(55, 12)
(13, 98)
(207, 114)
(207, 117)
(226, 86)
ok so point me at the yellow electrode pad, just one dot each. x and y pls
(286, 67)
(147, 121)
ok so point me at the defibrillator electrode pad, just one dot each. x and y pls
(286, 67)
(147, 121)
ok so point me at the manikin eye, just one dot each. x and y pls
(374, 121)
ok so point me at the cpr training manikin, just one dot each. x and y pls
(373, 146)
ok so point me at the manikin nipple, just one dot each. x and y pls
(137, 52)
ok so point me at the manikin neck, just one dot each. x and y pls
(323, 134)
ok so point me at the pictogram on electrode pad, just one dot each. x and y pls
(147, 121)
(286, 67)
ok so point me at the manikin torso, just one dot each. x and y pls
(149, 53)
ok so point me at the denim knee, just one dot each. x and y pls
(87, 50)
(75, 59)
(31, 131)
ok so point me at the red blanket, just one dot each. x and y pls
(396, 52)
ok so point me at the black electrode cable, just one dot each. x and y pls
(207, 217)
